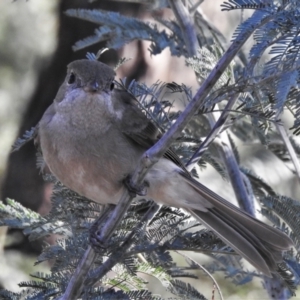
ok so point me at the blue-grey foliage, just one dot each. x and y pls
(119, 30)
(264, 87)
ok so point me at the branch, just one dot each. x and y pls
(290, 148)
(121, 251)
(205, 271)
(162, 145)
(151, 156)
(217, 128)
(187, 26)
(236, 176)
(75, 285)
(226, 152)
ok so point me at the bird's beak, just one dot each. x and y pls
(92, 88)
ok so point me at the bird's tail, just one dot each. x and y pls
(259, 243)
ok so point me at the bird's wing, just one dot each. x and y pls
(138, 127)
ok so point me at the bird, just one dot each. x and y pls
(92, 137)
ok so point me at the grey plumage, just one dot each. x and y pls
(92, 137)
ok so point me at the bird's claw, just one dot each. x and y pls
(96, 243)
(134, 189)
(94, 238)
(99, 245)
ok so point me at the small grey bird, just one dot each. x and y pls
(92, 137)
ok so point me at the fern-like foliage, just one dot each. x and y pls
(168, 231)
(242, 4)
(263, 90)
(28, 136)
(72, 217)
(118, 30)
(185, 290)
(278, 208)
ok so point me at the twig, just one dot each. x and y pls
(228, 157)
(195, 6)
(200, 17)
(235, 175)
(119, 254)
(206, 271)
(75, 285)
(79, 279)
(187, 26)
(171, 248)
(217, 128)
(198, 100)
(290, 148)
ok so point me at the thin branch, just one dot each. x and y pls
(206, 272)
(217, 128)
(195, 6)
(235, 175)
(81, 277)
(255, 59)
(289, 147)
(198, 100)
(187, 26)
(200, 18)
(164, 247)
(75, 285)
(280, 128)
(120, 253)
(228, 157)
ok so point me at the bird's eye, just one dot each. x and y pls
(72, 78)
(112, 85)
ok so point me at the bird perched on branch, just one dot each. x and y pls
(92, 138)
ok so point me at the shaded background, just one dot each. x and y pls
(36, 39)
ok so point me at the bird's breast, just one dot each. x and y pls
(92, 162)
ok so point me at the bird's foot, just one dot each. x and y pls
(95, 241)
(94, 238)
(133, 189)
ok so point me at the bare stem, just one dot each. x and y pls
(206, 272)
(235, 175)
(187, 26)
(75, 285)
(290, 148)
(217, 128)
(121, 251)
